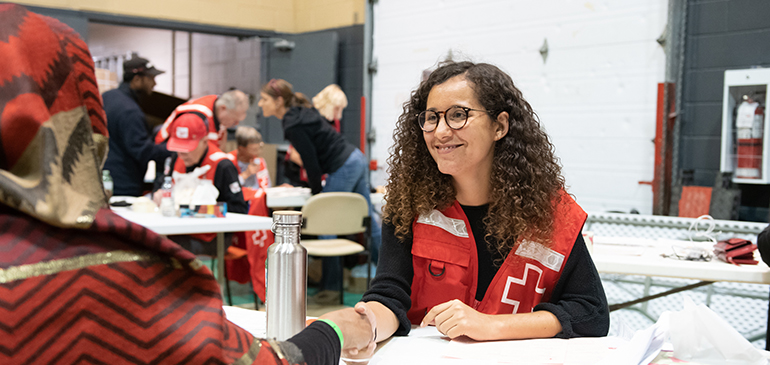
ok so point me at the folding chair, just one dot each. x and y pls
(337, 214)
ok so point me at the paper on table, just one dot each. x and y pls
(252, 321)
(427, 345)
(643, 347)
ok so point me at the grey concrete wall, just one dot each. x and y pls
(319, 59)
(721, 35)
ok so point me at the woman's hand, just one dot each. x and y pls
(454, 319)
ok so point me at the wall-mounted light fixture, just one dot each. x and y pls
(283, 45)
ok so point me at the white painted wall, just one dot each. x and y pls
(153, 44)
(595, 94)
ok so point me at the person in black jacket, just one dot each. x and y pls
(763, 243)
(131, 146)
(323, 151)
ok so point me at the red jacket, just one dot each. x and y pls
(446, 264)
(203, 106)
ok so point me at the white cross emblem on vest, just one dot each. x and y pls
(259, 238)
(523, 282)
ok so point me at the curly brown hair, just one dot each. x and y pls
(526, 178)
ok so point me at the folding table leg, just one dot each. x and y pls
(221, 261)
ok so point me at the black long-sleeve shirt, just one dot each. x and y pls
(319, 344)
(131, 146)
(321, 148)
(577, 300)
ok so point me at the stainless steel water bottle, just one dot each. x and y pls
(286, 302)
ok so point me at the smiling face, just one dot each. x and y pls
(466, 153)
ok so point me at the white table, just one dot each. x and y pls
(635, 256)
(428, 346)
(233, 222)
(621, 255)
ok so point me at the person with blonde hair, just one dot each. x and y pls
(330, 102)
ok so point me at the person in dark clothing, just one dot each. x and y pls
(480, 238)
(323, 151)
(763, 244)
(131, 146)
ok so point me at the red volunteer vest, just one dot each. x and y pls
(213, 157)
(446, 264)
(203, 105)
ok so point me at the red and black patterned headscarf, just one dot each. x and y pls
(53, 131)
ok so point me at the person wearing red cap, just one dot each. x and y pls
(78, 283)
(131, 146)
(188, 138)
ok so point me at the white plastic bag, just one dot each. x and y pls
(700, 335)
(185, 185)
(205, 194)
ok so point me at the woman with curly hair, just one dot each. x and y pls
(479, 237)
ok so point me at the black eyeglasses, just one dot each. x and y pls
(455, 117)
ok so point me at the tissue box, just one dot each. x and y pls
(203, 211)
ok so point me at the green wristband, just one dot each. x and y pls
(336, 329)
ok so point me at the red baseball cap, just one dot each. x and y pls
(186, 131)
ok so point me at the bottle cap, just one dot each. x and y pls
(287, 217)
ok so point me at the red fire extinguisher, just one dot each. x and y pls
(750, 122)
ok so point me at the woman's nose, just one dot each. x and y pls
(442, 127)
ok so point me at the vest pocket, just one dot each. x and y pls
(441, 274)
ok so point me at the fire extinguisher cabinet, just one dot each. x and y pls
(745, 132)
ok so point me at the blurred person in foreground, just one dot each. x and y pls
(480, 238)
(763, 245)
(330, 102)
(86, 283)
(252, 167)
(131, 146)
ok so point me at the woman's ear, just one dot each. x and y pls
(501, 126)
